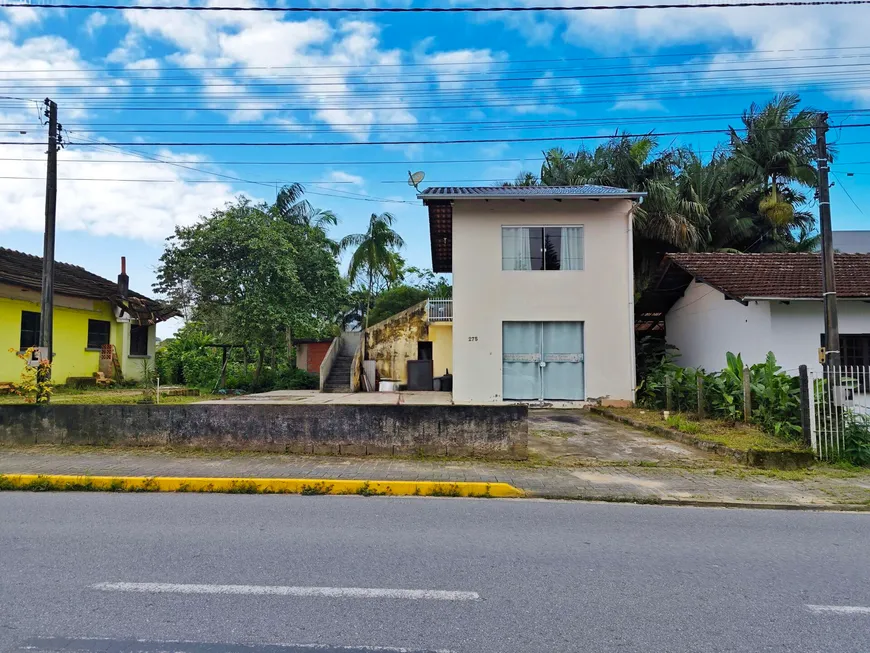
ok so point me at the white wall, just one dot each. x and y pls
(797, 329)
(484, 295)
(704, 326)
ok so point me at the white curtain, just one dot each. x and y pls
(572, 248)
(516, 252)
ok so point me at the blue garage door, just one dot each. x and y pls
(542, 360)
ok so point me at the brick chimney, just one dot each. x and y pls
(123, 279)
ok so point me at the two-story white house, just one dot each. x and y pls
(543, 291)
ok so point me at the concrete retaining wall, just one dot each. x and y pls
(479, 431)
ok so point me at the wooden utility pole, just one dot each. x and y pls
(46, 319)
(829, 286)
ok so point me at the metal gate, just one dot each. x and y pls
(840, 406)
(543, 361)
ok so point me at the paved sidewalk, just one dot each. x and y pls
(608, 482)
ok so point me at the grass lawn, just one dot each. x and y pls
(107, 396)
(737, 436)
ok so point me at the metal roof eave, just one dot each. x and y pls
(536, 196)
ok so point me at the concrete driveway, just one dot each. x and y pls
(579, 436)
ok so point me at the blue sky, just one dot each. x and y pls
(148, 77)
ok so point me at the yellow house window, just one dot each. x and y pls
(29, 330)
(138, 340)
(98, 333)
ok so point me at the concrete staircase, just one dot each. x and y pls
(339, 376)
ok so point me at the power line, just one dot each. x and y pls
(531, 159)
(461, 141)
(142, 155)
(447, 78)
(605, 98)
(440, 10)
(845, 190)
(670, 55)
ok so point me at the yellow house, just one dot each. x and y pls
(422, 332)
(93, 317)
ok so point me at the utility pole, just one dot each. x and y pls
(829, 286)
(46, 318)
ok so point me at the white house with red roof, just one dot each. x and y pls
(713, 303)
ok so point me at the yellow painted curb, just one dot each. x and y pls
(60, 482)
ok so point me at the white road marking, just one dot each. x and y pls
(277, 590)
(840, 609)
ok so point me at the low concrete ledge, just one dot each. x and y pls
(491, 432)
(764, 458)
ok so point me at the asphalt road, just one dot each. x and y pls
(282, 574)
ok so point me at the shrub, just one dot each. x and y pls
(775, 396)
(293, 378)
(857, 438)
(395, 300)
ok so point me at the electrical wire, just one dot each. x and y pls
(461, 141)
(439, 10)
(436, 64)
(142, 155)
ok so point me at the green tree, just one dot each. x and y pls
(750, 195)
(375, 257)
(259, 271)
(395, 300)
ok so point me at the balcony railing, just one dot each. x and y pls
(440, 310)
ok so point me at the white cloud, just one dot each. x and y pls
(452, 68)
(323, 63)
(95, 22)
(344, 178)
(141, 210)
(638, 105)
(22, 15)
(149, 67)
(130, 49)
(34, 61)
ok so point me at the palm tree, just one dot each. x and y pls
(290, 206)
(776, 150)
(375, 256)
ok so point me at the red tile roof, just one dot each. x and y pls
(20, 269)
(787, 276)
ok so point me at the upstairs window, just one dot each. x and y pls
(138, 340)
(542, 248)
(98, 333)
(29, 330)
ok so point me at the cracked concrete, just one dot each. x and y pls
(579, 436)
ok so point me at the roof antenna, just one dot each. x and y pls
(415, 179)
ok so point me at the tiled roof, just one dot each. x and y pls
(787, 276)
(20, 269)
(540, 192)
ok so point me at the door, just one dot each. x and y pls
(521, 359)
(562, 368)
(543, 361)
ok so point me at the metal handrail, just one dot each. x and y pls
(440, 310)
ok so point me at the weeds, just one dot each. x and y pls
(243, 487)
(315, 489)
(684, 425)
(452, 490)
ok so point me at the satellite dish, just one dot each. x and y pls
(415, 178)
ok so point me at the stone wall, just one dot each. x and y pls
(479, 431)
(393, 342)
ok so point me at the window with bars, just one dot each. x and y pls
(854, 348)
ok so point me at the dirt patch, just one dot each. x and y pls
(578, 437)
